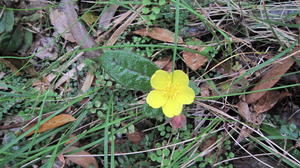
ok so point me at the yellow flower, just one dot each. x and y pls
(171, 92)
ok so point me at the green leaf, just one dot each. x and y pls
(11, 42)
(146, 2)
(28, 38)
(152, 16)
(162, 2)
(7, 21)
(156, 10)
(128, 69)
(145, 10)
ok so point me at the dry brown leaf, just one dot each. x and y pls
(271, 78)
(78, 30)
(244, 133)
(11, 66)
(46, 48)
(266, 102)
(244, 111)
(165, 63)
(87, 82)
(135, 137)
(54, 122)
(205, 90)
(115, 23)
(59, 21)
(159, 34)
(83, 161)
(107, 16)
(194, 60)
(115, 36)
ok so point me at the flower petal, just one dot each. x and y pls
(156, 99)
(160, 80)
(172, 108)
(185, 95)
(180, 78)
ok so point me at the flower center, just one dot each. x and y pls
(171, 91)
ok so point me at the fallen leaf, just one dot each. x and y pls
(59, 21)
(78, 30)
(87, 81)
(271, 78)
(267, 101)
(135, 137)
(107, 16)
(205, 90)
(85, 161)
(194, 60)
(164, 63)
(244, 111)
(244, 133)
(11, 66)
(178, 121)
(159, 34)
(54, 122)
(117, 33)
(46, 48)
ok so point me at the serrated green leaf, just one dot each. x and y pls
(128, 69)
(7, 21)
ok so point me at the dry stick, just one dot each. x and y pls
(116, 22)
(122, 28)
(291, 159)
(69, 75)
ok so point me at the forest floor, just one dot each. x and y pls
(76, 78)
